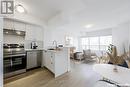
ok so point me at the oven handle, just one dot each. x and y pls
(11, 62)
(15, 55)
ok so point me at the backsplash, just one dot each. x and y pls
(11, 39)
(28, 44)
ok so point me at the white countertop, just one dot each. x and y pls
(58, 50)
(43, 50)
(34, 49)
(55, 51)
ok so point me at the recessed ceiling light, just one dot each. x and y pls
(20, 8)
(89, 26)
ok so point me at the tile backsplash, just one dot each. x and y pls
(14, 39)
(28, 44)
(11, 39)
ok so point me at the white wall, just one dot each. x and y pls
(1, 52)
(59, 35)
(99, 33)
(121, 36)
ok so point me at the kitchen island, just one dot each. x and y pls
(57, 61)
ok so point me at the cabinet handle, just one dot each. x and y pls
(51, 61)
(11, 62)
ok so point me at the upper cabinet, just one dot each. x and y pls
(19, 26)
(38, 33)
(33, 32)
(10, 24)
(29, 33)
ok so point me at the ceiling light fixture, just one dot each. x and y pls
(89, 26)
(20, 8)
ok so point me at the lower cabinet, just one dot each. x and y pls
(31, 59)
(58, 62)
(49, 60)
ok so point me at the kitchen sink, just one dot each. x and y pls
(51, 49)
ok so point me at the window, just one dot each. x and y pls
(105, 41)
(85, 43)
(96, 43)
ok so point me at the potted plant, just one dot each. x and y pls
(114, 58)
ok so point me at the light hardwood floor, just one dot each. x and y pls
(81, 75)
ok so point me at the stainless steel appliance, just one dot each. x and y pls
(14, 59)
(34, 45)
(14, 32)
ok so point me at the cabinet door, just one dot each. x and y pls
(31, 60)
(52, 62)
(30, 33)
(8, 24)
(19, 26)
(44, 60)
(48, 60)
(38, 33)
(34, 33)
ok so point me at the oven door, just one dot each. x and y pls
(14, 63)
(18, 62)
(7, 65)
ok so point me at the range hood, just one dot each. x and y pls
(14, 32)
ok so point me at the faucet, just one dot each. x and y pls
(55, 43)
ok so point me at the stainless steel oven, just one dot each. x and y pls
(14, 59)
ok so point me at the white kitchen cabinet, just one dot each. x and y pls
(8, 24)
(49, 60)
(31, 59)
(34, 33)
(11, 24)
(20, 26)
(38, 32)
(57, 62)
(30, 33)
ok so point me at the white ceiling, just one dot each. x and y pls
(81, 12)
